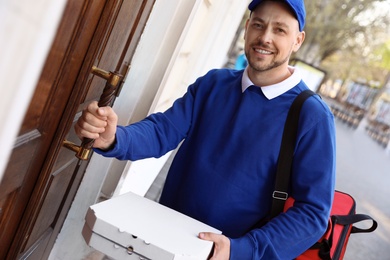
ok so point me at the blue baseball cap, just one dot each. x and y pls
(298, 6)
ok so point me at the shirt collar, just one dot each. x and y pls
(275, 90)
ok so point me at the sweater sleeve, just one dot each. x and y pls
(312, 186)
(155, 135)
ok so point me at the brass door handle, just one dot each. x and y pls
(81, 152)
(113, 80)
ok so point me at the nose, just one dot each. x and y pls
(265, 36)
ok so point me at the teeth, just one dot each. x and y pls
(262, 51)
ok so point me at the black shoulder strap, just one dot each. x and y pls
(286, 153)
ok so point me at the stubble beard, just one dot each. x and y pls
(261, 66)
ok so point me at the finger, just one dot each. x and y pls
(107, 113)
(104, 113)
(221, 245)
(211, 237)
(207, 236)
(92, 108)
(90, 126)
(90, 123)
(83, 133)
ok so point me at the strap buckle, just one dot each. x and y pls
(280, 195)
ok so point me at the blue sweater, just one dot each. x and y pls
(224, 171)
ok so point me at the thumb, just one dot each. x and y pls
(102, 111)
(221, 245)
(207, 236)
(107, 113)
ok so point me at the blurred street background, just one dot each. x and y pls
(363, 171)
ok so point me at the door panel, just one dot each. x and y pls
(11, 182)
(40, 181)
(58, 185)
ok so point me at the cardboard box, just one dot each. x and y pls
(133, 227)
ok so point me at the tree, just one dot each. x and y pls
(335, 26)
(383, 55)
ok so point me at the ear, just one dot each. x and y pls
(298, 41)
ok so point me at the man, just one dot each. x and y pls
(231, 123)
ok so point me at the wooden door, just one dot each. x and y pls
(40, 183)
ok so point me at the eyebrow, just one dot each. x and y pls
(280, 24)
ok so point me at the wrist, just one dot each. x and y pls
(110, 146)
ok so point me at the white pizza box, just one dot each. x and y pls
(132, 227)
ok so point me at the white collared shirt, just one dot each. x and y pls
(275, 90)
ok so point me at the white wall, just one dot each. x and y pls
(203, 46)
(27, 29)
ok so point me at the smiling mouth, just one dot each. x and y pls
(261, 51)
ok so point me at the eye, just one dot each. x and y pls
(280, 30)
(257, 25)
